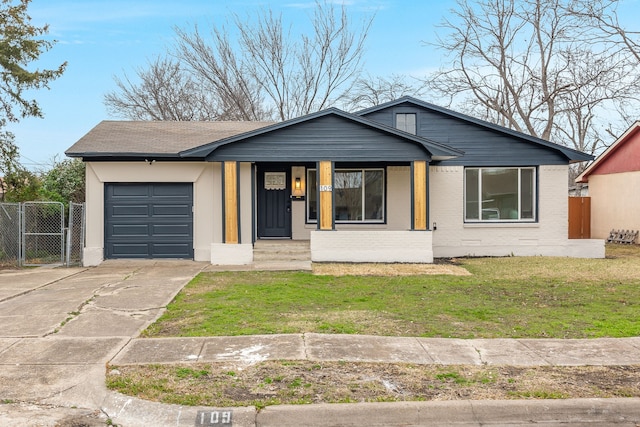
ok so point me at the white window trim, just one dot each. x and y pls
(534, 202)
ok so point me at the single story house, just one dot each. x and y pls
(405, 181)
(614, 185)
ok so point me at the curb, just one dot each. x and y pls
(133, 412)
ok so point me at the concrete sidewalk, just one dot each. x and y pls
(359, 348)
(59, 327)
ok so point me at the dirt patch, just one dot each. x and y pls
(380, 269)
(301, 382)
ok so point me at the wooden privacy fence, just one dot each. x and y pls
(579, 217)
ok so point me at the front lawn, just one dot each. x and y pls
(532, 297)
(503, 297)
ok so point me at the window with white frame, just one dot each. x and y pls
(406, 122)
(358, 195)
(500, 194)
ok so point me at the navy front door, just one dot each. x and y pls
(274, 203)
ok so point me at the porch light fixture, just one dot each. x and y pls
(298, 188)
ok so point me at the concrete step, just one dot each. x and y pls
(281, 251)
(304, 265)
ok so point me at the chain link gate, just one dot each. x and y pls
(42, 233)
(75, 234)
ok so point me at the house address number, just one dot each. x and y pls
(213, 419)
(326, 188)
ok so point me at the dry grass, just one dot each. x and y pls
(372, 269)
(287, 382)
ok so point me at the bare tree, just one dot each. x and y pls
(216, 65)
(603, 14)
(536, 66)
(617, 41)
(370, 91)
(165, 92)
(266, 72)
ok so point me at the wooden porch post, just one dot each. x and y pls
(419, 185)
(230, 179)
(325, 183)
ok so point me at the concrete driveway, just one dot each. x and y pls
(118, 298)
(58, 327)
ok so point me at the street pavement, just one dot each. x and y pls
(60, 327)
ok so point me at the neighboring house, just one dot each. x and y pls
(405, 181)
(614, 185)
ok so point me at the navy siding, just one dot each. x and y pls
(327, 138)
(482, 146)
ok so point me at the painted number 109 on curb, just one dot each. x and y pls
(213, 418)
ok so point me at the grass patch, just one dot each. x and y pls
(277, 383)
(518, 297)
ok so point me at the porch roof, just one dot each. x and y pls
(330, 134)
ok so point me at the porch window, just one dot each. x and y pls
(500, 194)
(358, 195)
(312, 195)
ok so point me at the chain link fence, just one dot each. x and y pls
(9, 234)
(36, 233)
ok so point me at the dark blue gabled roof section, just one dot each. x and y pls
(331, 134)
(483, 142)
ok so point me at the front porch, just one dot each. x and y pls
(359, 246)
(366, 213)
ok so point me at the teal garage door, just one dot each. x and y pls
(148, 220)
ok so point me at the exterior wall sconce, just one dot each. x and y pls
(298, 184)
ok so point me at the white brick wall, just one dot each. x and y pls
(371, 246)
(231, 254)
(549, 236)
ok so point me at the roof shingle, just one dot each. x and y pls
(158, 137)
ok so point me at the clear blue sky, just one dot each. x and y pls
(103, 38)
(100, 39)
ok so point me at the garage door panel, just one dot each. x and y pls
(169, 250)
(180, 211)
(130, 190)
(149, 220)
(129, 230)
(129, 250)
(166, 230)
(169, 191)
(129, 211)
